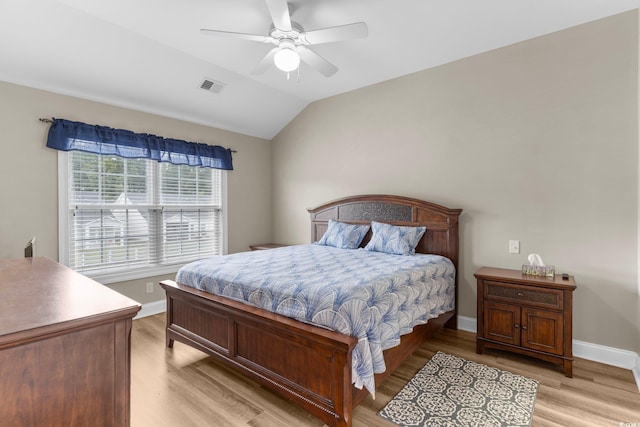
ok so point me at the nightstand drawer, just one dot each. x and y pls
(542, 297)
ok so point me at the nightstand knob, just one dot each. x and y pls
(524, 328)
(517, 326)
(520, 294)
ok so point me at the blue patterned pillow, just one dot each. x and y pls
(342, 235)
(394, 239)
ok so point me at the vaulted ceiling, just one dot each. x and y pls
(150, 55)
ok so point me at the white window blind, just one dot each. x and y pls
(138, 215)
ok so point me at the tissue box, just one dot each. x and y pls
(537, 270)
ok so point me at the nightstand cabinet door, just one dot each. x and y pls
(502, 323)
(542, 330)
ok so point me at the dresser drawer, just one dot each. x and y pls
(530, 295)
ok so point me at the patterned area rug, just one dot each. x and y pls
(450, 391)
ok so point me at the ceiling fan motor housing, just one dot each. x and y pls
(278, 35)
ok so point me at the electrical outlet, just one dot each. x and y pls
(514, 246)
(149, 287)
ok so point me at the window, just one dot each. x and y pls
(123, 218)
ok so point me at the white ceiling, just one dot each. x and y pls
(149, 55)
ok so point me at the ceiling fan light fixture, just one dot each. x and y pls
(292, 41)
(286, 59)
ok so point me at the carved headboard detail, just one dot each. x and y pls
(441, 237)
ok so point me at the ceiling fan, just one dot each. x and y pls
(292, 41)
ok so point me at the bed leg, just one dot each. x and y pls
(452, 323)
(169, 342)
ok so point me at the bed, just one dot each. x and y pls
(277, 350)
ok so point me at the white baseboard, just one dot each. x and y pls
(609, 355)
(469, 324)
(595, 352)
(636, 372)
(151, 308)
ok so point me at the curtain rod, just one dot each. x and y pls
(51, 121)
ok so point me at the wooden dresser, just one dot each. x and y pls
(64, 347)
(526, 314)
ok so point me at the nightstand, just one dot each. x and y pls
(264, 246)
(530, 315)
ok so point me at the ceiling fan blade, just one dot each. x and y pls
(279, 11)
(334, 34)
(265, 63)
(240, 36)
(317, 62)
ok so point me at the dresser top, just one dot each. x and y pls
(39, 296)
(516, 276)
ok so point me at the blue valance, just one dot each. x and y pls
(66, 135)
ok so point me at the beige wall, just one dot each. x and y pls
(28, 175)
(536, 141)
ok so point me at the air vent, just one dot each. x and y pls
(211, 85)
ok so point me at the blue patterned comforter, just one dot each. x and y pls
(374, 296)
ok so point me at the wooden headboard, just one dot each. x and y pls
(441, 237)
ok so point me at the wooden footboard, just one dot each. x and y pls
(305, 364)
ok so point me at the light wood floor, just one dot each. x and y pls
(183, 387)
